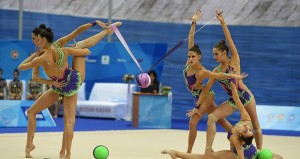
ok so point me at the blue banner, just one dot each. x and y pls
(279, 117)
(13, 113)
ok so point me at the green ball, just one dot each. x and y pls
(265, 154)
(100, 152)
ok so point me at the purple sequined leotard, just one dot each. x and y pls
(244, 96)
(71, 77)
(190, 82)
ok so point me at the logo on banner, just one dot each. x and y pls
(280, 117)
(14, 54)
(39, 116)
(291, 117)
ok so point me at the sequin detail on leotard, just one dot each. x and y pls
(190, 82)
(72, 79)
(60, 55)
(244, 96)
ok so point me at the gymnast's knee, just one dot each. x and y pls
(212, 119)
(193, 123)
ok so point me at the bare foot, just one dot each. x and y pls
(110, 31)
(28, 150)
(61, 155)
(196, 16)
(172, 153)
(67, 156)
(208, 150)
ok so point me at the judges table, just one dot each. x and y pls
(151, 110)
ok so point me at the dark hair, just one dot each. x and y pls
(221, 46)
(196, 49)
(36, 31)
(155, 75)
(17, 71)
(48, 34)
(247, 140)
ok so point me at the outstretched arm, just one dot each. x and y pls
(244, 114)
(194, 19)
(31, 62)
(215, 75)
(191, 36)
(235, 59)
(64, 40)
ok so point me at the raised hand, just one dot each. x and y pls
(196, 16)
(220, 16)
(39, 52)
(60, 84)
(239, 77)
(191, 113)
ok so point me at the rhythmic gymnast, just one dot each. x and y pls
(227, 65)
(195, 71)
(240, 137)
(67, 88)
(78, 62)
(54, 61)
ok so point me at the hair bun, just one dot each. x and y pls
(196, 46)
(222, 42)
(42, 26)
(48, 29)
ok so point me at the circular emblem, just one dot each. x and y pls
(14, 54)
(291, 117)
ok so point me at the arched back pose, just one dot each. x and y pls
(54, 61)
(195, 71)
(78, 63)
(240, 137)
(229, 65)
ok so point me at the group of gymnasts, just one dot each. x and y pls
(228, 74)
(65, 82)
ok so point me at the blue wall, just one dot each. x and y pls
(269, 54)
(119, 62)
